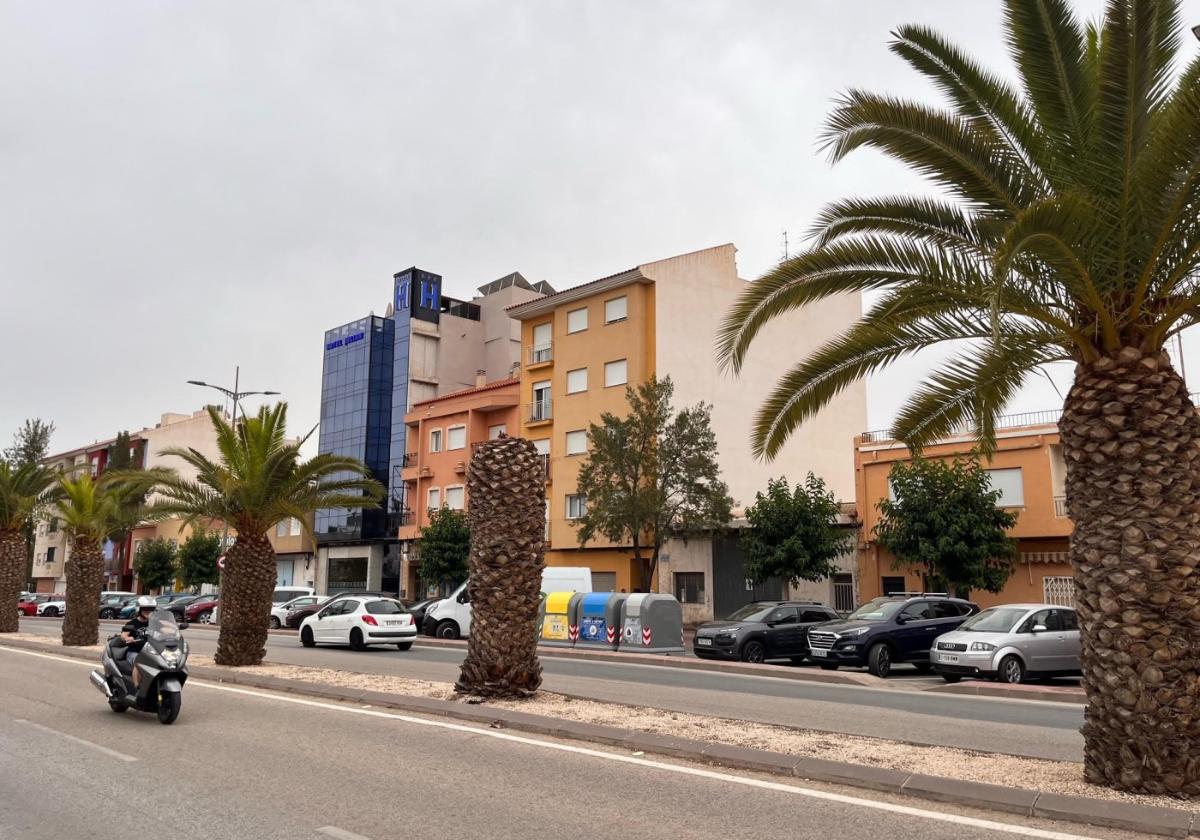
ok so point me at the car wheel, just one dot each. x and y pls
(446, 630)
(404, 645)
(205, 617)
(51, 612)
(753, 652)
(952, 678)
(275, 625)
(1012, 670)
(107, 614)
(879, 660)
(356, 640)
(306, 637)
(827, 667)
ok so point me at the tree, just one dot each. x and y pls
(198, 558)
(155, 563)
(89, 511)
(122, 457)
(794, 533)
(444, 546)
(944, 521)
(651, 474)
(1067, 229)
(507, 488)
(258, 480)
(22, 489)
(30, 445)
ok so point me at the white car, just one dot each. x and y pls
(279, 611)
(360, 621)
(53, 608)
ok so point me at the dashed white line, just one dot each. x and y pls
(340, 833)
(681, 769)
(111, 753)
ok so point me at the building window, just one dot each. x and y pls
(689, 587)
(456, 437)
(495, 431)
(542, 446)
(576, 380)
(615, 373)
(616, 309)
(577, 320)
(435, 440)
(50, 556)
(576, 506)
(577, 442)
(435, 498)
(843, 592)
(542, 350)
(1010, 485)
(456, 498)
(539, 409)
(295, 527)
(281, 528)
(893, 585)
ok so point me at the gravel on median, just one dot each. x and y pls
(1061, 777)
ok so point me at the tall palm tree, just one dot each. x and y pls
(259, 480)
(1068, 228)
(89, 511)
(21, 488)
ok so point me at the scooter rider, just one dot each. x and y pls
(134, 632)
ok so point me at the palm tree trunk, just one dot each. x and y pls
(250, 575)
(85, 579)
(12, 570)
(506, 489)
(1131, 438)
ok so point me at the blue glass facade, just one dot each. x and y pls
(356, 415)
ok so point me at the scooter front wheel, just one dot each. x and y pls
(168, 706)
(117, 706)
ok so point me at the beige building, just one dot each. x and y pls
(585, 344)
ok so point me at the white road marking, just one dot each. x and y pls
(111, 753)
(340, 833)
(685, 770)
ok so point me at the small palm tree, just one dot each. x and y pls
(90, 511)
(1069, 229)
(259, 481)
(21, 489)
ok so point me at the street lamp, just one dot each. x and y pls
(236, 396)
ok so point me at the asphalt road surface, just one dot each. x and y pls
(241, 764)
(1020, 727)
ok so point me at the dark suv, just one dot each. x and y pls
(762, 630)
(895, 628)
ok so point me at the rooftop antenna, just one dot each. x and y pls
(786, 255)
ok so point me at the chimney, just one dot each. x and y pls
(480, 378)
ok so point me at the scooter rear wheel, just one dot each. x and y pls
(117, 706)
(168, 706)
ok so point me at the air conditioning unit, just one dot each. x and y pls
(460, 467)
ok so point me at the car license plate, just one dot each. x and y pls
(704, 642)
(819, 652)
(391, 623)
(947, 657)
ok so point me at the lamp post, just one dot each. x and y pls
(236, 396)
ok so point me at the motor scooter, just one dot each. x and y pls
(161, 663)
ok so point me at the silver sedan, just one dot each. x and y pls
(1010, 643)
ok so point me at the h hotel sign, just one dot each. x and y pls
(418, 294)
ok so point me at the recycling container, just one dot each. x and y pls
(652, 623)
(559, 619)
(600, 619)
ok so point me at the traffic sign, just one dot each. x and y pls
(221, 562)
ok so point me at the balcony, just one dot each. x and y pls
(1060, 507)
(539, 411)
(545, 458)
(540, 355)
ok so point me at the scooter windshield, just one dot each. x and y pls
(163, 629)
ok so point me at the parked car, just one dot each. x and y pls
(450, 618)
(419, 608)
(283, 594)
(130, 607)
(359, 622)
(280, 612)
(112, 601)
(296, 617)
(888, 630)
(29, 603)
(55, 605)
(762, 630)
(200, 610)
(1011, 643)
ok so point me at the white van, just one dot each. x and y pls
(450, 618)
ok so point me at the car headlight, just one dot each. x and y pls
(982, 646)
(851, 634)
(726, 635)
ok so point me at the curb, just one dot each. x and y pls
(1166, 822)
(1014, 692)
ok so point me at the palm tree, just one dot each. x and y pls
(90, 511)
(506, 486)
(259, 481)
(1068, 229)
(21, 489)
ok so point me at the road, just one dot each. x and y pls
(242, 764)
(1036, 729)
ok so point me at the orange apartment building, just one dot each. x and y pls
(1029, 470)
(441, 434)
(583, 345)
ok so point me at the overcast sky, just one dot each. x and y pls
(185, 187)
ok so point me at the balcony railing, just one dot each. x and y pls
(546, 465)
(540, 410)
(540, 354)
(410, 459)
(1060, 507)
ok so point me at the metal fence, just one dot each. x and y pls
(1059, 591)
